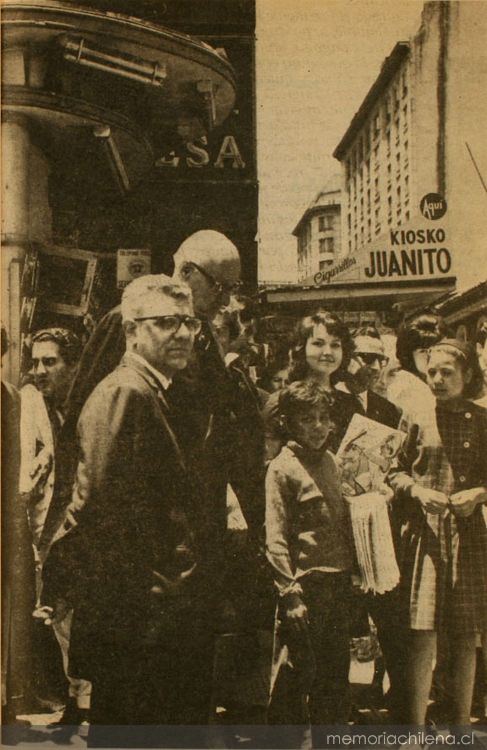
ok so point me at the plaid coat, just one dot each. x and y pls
(444, 558)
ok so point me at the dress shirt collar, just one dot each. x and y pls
(162, 379)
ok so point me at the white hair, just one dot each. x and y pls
(143, 294)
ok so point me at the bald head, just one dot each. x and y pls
(210, 264)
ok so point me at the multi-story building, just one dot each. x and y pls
(414, 174)
(318, 231)
(414, 154)
(375, 153)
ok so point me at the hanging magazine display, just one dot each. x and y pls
(366, 454)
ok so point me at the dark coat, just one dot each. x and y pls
(100, 357)
(219, 413)
(137, 510)
(18, 583)
(223, 427)
(381, 410)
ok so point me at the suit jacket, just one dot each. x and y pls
(381, 410)
(217, 421)
(135, 510)
(17, 568)
(223, 430)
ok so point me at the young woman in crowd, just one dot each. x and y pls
(407, 389)
(321, 354)
(442, 481)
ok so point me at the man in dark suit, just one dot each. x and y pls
(364, 371)
(141, 542)
(388, 611)
(209, 263)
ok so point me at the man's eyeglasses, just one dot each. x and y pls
(370, 359)
(217, 286)
(172, 323)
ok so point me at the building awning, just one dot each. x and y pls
(464, 303)
(349, 296)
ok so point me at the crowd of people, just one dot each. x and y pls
(174, 484)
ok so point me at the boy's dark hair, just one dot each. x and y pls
(300, 396)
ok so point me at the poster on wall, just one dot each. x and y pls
(131, 263)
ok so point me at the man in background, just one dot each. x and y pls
(54, 356)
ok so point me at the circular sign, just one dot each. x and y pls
(433, 206)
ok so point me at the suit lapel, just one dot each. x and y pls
(163, 406)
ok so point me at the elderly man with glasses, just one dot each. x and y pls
(223, 416)
(140, 535)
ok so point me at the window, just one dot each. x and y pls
(395, 97)
(325, 222)
(376, 125)
(404, 84)
(327, 245)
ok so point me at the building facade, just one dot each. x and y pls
(414, 158)
(318, 231)
(127, 126)
(414, 176)
(375, 154)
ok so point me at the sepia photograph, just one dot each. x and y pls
(244, 374)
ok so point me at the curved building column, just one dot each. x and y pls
(26, 217)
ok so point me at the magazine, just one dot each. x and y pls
(366, 454)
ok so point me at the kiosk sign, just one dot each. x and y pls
(411, 253)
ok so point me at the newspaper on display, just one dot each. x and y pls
(366, 454)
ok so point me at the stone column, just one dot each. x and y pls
(15, 234)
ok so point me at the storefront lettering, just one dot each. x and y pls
(199, 155)
(411, 262)
(417, 236)
(324, 277)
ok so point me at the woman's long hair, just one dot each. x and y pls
(421, 332)
(305, 329)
